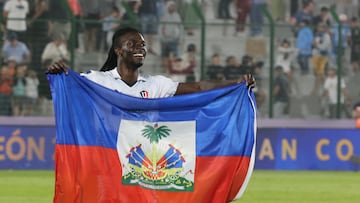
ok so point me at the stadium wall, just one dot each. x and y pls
(28, 143)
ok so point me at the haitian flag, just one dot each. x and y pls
(112, 147)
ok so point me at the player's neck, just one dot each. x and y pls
(128, 75)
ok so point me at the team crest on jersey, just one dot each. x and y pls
(158, 156)
(144, 94)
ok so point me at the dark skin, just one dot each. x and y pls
(131, 55)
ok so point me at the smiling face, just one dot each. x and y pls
(132, 49)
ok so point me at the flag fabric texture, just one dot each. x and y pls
(115, 148)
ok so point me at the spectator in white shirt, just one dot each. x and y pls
(331, 93)
(56, 50)
(15, 12)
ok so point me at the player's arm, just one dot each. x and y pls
(187, 88)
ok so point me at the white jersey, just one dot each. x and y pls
(17, 11)
(145, 87)
(331, 86)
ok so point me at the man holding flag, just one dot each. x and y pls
(115, 147)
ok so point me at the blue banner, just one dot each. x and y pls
(307, 149)
(29, 147)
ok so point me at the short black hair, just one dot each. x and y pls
(115, 8)
(324, 9)
(191, 47)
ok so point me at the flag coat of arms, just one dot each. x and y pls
(114, 148)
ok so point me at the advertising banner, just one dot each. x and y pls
(307, 149)
(32, 147)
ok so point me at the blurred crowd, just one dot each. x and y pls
(37, 33)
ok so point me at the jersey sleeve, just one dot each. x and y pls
(165, 86)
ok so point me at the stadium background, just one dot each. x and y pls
(304, 140)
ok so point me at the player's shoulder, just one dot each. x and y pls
(156, 78)
(98, 75)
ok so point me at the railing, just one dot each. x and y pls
(213, 37)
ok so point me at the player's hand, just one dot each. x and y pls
(58, 68)
(250, 80)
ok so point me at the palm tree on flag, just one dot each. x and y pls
(154, 134)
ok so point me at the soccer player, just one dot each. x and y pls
(120, 72)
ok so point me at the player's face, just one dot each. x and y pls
(133, 49)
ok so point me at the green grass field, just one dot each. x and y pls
(264, 187)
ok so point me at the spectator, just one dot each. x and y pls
(91, 12)
(322, 18)
(247, 65)
(294, 7)
(215, 71)
(60, 17)
(132, 19)
(258, 90)
(15, 12)
(38, 30)
(178, 70)
(110, 24)
(350, 7)
(31, 91)
(188, 14)
(15, 49)
(232, 69)
(56, 50)
(278, 10)
(149, 22)
(242, 11)
(79, 27)
(224, 10)
(189, 60)
(304, 45)
(171, 31)
(345, 36)
(281, 94)
(285, 56)
(18, 98)
(305, 14)
(355, 45)
(356, 111)
(6, 83)
(320, 56)
(11, 64)
(331, 94)
(256, 17)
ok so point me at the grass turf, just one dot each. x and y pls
(264, 187)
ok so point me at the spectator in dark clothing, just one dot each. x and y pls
(38, 30)
(224, 10)
(215, 71)
(59, 19)
(280, 93)
(294, 7)
(149, 22)
(232, 69)
(305, 14)
(132, 19)
(242, 11)
(247, 64)
(355, 44)
(322, 18)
